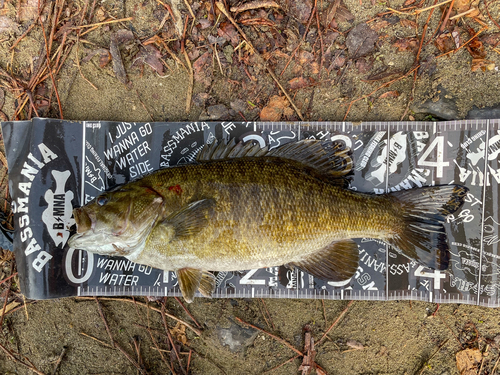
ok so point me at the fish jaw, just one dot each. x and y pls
(119, 236)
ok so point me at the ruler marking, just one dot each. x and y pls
(485, 185)
(82, 195)
(387, 190)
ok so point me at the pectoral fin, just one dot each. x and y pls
(336, 262)
(191, 279)
(192, 218)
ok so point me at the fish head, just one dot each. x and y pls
(116, 222)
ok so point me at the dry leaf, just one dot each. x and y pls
(382, 74)
(229, 32)
(468, 361)
(492, 39)
(482, 64)
(462, 5)
(179, 332)
(301, 10)
(476, 49)
(408, 23)
(149, 55)
(361, 41)
(389, 94)
(274, 109)
(364, 66)
(2, 98)
(377, 26)
(305, 57)
(299, 82)
(10, 306)
(406, 44)
(444, 43)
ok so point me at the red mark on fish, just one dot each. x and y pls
(176, 189)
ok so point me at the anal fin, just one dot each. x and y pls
(207, 284)
(191, 279)
(336, 262)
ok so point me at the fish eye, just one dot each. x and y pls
(101, 201)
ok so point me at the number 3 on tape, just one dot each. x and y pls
(439, 164)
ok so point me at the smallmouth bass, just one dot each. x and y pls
(243, 207)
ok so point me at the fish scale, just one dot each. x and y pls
(258, 204)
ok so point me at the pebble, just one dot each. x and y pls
(236, 337)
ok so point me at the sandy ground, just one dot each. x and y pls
(62, 336)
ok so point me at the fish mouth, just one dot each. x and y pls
(83, 220)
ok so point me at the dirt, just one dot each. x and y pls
(392, 337)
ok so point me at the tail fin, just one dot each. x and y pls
(423, 211)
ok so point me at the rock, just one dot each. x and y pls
(218, 112)
(236, 337)
(484, 113)
(442, 106)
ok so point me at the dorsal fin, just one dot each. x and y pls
(330, 161)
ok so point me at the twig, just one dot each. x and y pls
(189, 360)
(491, 18)
(6, 296)
(190, 71)
(335, 323)
(424, 31)
(190, 10)
(191, 82)
(96, 339)
(445, 20)
(324, 311)
(418, 11)
(464, 44)
(11, 276)
(453, 333)
(284, 342)
(381, 87)
(78, 64)
(321, 45)
(168, 351)
(115, 344)
(198, 332)
(102, 23)
(463, 14)
(170, 338)
(484, 355)
(161, 352)
(131, 360)
(187, 312)
(422, 369)
(254, 5)
(496, 364)
(29, 366)
(267, 312)
(58, 362)
(284, 363)
(222, 8)
(99, 308)
(301, 41)
(50, 69)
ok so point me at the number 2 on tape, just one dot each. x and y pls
(439, 164)
(247, 279)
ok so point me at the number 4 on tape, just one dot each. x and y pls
(439, 164)
(436, 275)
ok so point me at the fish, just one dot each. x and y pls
(240, 206)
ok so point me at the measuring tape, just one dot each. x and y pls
(388, 156)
